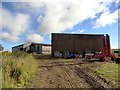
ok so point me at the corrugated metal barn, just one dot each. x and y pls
(33, 48)
(76, 43)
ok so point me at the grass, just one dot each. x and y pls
(109, 71)
(115, 50)
(70, 61)
(17, 69)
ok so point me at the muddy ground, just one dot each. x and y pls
(67, 73)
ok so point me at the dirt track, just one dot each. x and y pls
(66, 74)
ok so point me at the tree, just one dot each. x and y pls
(1, 47)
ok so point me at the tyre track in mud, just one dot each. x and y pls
(68, 77)
(61, 75)
(93, 81)
(75, 81)
(64, 78)
(58, 78)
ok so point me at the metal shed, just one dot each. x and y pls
(76, 43)
(33, 48)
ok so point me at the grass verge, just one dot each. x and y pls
(17, 69)
(109, 72)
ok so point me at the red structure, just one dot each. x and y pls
(81, 43)
(77, 43)
(106, 53)
(107, 45)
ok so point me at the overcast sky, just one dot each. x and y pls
(34, 21)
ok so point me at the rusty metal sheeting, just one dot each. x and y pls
(76, 43)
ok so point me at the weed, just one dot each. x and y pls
(17, 68)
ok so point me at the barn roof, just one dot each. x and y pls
(18, 46)
(28, 44)
(42, 44)
(78, 34)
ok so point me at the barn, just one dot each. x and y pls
(77, 43)
(33, 48)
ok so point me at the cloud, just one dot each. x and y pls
(61, 15)
(23, 0)
(81, 31)
(34, 38)
(6, 36)
(40, 18)
(33, 8)
(114, 46)
(78, 31)
(106, 18)
(73, 32)
(13, 25)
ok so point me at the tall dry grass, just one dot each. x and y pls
(17, 68)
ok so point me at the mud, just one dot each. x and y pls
(67, 74)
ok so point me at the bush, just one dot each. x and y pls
(17, 68)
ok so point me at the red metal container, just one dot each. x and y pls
(76, 43)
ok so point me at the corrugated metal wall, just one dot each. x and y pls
(77, 42)
(46, 50)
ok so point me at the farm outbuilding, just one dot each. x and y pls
(33, 48)
(77, 43)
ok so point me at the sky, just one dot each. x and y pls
(24, 21)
